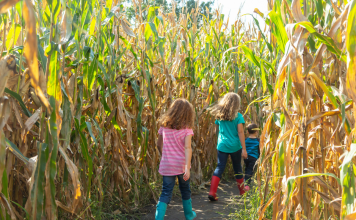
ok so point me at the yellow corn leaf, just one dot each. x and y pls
(351, 49)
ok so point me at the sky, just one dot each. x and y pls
(232, 7)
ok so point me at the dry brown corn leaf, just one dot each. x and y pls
(7, 206)
(30, 51)
(8, 69)
(74, 174)
(4, 111)
(6, 5)
(127, 28)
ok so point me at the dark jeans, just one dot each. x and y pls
(236, 163)
(249, 163)
(168, 185)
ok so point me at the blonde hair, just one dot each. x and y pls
(180, 115)
(227, 108)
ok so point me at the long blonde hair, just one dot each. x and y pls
(180, 115)
(227, 108)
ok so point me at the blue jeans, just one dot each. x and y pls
(250, 164)
(168, 185)
(236, 163)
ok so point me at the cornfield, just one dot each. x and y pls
(82, 88)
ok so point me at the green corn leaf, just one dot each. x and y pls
(54, 6)
(279, 31)
(260, 99)
(53, 84)
(23, 209)
(66, 129)
(92, 26)
(14, 34)
(37, 193)
(151, 30)
(5, 191)
(326, 89)
(140, 100)
(15, 150)
(263, 36)
(92, 72)
(85, 153)
(328, 92)
(350, 47)
(319, 8)
(161, 43)
(128, 45)
(348, 182)
(281, 162)
(158, 18)
(328, 41)
(145, 133)
(91, 132)
(291, 181)
(263, 77)
(312, 44)
(151, 13)
(41, 55)
(148, 32)
(19, 99)
(103, 70)
(101, 137)
(53, 159)
(110, 15)
(19, 8)
(236, 79)
(250, 55)
(343, 114)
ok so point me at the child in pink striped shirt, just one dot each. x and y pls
(174, 144)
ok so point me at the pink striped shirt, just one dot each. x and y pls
(173, 153)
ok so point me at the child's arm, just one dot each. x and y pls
(240, 130)
(188, 156)
(160, 143)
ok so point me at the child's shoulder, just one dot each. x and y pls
(253, 139)
(170, 130)
(239, 118)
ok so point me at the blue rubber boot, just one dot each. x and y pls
(188, 210)
(160, 211)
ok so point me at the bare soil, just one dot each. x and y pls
(228, 195)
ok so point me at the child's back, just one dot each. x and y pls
(253, 152)
(253, 147)
(228, 139)
(173, 153)
(231, 140)
(174, 143)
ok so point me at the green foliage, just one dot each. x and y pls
(167, 7)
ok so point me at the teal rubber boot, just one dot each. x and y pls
(188, 210)
(160, 211)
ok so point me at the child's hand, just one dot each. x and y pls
(244, 154)
(186, 175)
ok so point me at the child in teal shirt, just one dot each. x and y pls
(231, 140)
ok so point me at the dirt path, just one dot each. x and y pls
(227, 204)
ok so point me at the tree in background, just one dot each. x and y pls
(187, 5)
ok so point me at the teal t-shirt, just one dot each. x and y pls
(228, 140)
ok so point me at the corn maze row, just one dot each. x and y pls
(81, 89)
